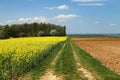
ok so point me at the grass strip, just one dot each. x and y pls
(66, 64)
(96, 66)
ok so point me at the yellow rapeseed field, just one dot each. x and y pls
(19, 54)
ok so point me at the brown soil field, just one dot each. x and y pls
(106, 50)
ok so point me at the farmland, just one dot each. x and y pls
(107, 50)
(18, 55)
(60, 40)
(50, 58)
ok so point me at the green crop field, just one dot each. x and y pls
(57, 58)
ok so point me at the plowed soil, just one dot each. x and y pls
(107, 50)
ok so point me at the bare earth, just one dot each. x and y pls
(49, 75)
(107, 50)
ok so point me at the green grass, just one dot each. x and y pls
(66, 64)
(38, 71)
(95, 66)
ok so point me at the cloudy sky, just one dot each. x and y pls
(80, 16)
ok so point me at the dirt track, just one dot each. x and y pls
(107, 50)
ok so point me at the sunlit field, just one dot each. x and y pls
(20, 54)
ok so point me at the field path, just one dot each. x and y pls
(49, 74)
(81, 70)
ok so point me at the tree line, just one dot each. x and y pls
(31, 30)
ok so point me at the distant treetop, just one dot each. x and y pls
(32, 30)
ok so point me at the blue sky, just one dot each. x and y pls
(80, 16)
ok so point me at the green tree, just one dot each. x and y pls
(6, 31)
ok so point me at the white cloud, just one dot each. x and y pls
(25, 19)
(28, 20)
(113, 24)
(87, 0)
(35, 19)
(58, 18)
(61, 7)
(62, 16)
(92, 4)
